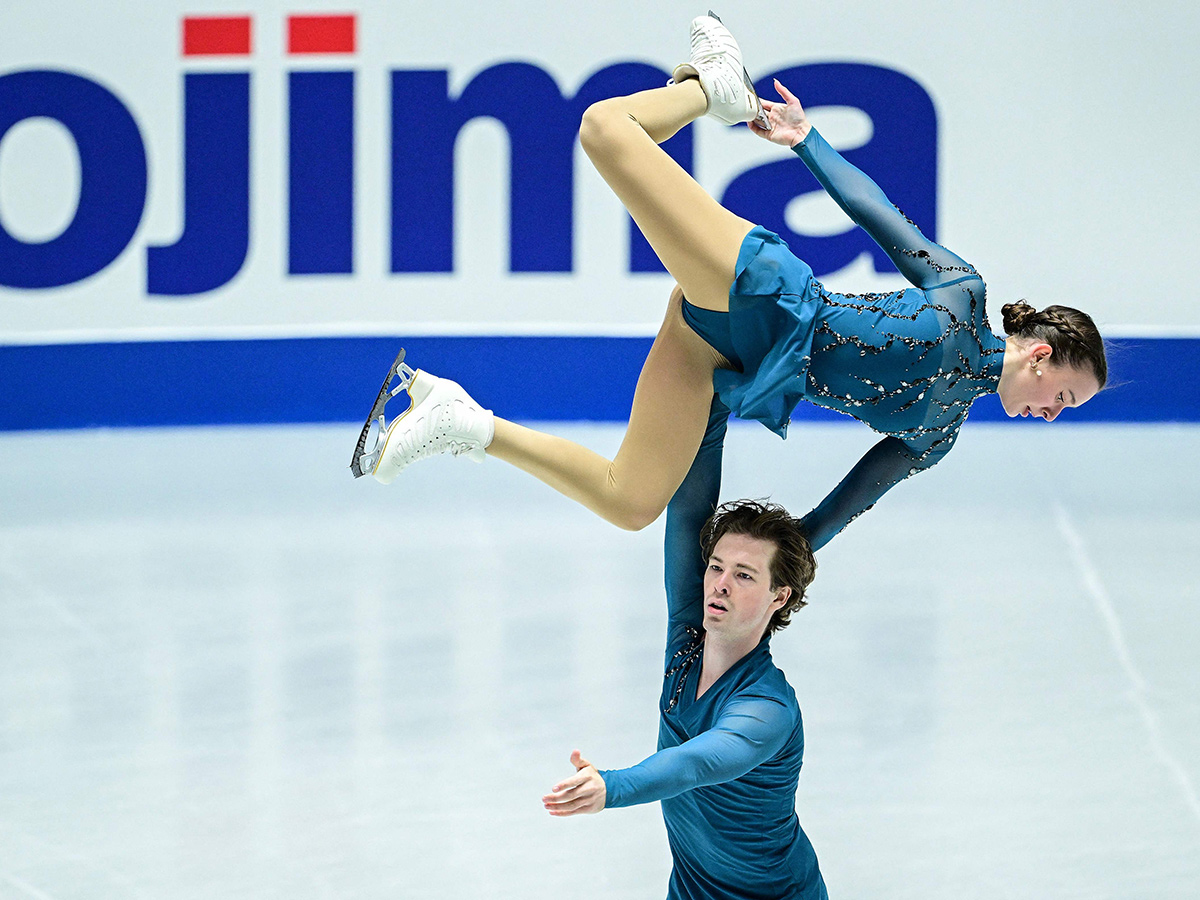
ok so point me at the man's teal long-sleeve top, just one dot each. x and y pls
(728, 763)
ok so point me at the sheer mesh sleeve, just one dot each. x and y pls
(923, 262)
(886, 464)
(748, 733)
(687, 512)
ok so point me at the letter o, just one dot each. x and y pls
(112, 193)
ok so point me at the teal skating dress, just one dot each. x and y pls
(908, 364)
(728, 763)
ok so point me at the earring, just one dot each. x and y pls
(1039, 372)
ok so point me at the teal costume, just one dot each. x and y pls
(728, 763)
(909, 364)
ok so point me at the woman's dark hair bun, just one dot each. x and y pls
(1017, 316)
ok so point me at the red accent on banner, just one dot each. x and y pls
(321, 34)
(216, 36)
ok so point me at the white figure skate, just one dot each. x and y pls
(441, 417)
(717, 62)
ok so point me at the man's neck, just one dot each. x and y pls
(719, 657)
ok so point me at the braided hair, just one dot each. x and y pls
(1071, 334)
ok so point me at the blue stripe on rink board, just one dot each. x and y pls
(331, 379)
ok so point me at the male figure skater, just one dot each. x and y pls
(730, 738)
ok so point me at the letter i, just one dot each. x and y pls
(321, 150)
(216, 189)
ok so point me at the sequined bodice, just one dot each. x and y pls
(909, 364)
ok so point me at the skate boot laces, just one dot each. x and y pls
(443, 423)
(712, 45)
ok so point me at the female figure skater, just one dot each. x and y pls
(748, 319)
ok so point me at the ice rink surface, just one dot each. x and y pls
(229, 670)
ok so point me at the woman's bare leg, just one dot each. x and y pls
(698, 241)
(670, 412)
(696, 238)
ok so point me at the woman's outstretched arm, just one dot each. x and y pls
(885, 465)
(924, 263)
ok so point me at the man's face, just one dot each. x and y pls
(738, 600)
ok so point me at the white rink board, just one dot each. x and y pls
(1065, 145)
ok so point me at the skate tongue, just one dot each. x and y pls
(475, 453)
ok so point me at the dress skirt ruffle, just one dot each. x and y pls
(773, 307)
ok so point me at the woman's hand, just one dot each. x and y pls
(583, 792)
(789, 124)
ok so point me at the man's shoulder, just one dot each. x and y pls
(770, 685)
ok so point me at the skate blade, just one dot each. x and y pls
(761, 116)
(365, 461)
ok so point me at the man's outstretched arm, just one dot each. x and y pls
(746, 735)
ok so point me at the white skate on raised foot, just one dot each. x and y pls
(441, 417)
(717, 62)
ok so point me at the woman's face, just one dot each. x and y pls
(1023, 392)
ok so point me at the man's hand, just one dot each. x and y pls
(583, 792)
(789, 122)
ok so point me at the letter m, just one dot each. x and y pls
(542, 126)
